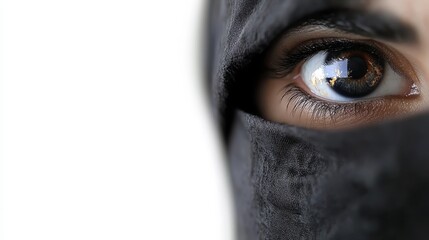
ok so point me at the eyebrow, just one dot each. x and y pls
(371, 24)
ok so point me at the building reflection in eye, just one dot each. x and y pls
(353, 74)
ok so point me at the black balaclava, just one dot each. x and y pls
(295, 183)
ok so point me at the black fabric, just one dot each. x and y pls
(295, 183)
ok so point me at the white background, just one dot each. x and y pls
(105, 130)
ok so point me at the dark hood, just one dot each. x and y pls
(295, 183)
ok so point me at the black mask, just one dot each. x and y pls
(295, 183)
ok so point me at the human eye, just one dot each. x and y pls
(348, 71)
(337, 80)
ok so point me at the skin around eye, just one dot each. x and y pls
(338, 83)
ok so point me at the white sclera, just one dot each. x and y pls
(314, 77)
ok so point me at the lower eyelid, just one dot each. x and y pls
(297, 102)
(306, 108)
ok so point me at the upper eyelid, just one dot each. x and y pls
(354, 24)
(289, 58)
(377, 25)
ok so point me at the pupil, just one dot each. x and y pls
(351, 75)
(357, 67)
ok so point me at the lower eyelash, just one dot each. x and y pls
(299, 101)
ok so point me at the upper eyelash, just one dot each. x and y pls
(290, 59)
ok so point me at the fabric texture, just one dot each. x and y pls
(295, 183)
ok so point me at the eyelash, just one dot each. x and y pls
(290, 59)
(299, 101)
(321, 110)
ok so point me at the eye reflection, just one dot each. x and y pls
(337, 83)
(354, 72)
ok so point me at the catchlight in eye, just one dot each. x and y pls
(347, 74)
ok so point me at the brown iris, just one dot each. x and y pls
(353, 73)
